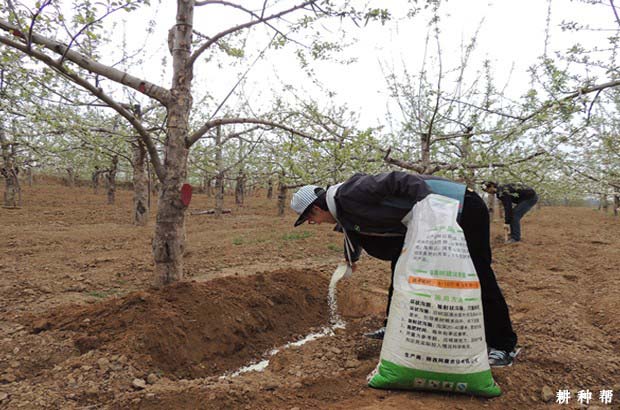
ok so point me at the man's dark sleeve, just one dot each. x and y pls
(356, 252)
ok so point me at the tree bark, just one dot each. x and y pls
(467, 174)
(206, 184)
(425, 151)
(282, 191)
(29, 176)
(111, 178)
(269, 189)
(140, 185)
(70, 177)
(219, 178)
(95, 179)
(616, 204)
(240, 189)
(169, 239)
(9, 170)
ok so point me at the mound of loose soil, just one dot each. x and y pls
(193, 329)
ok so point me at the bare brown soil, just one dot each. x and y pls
(80, 327)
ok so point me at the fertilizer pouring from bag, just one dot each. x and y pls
(343, 270)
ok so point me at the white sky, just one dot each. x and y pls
(512, 35)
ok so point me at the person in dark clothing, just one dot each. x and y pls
(369, 209)
(524, 199)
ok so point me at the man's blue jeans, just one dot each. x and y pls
(517, 213)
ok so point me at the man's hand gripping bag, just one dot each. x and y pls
(434, 338)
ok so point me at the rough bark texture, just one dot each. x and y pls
(29, 176)
(282, 190)
(240, 189)
(206, 184)
(111, 179)
(96, 178)
(9, 170)
(140, 185)
(169, 240)
(219, 178)
(425, 151)
(219, 194)
(12, 193)
(70, 181)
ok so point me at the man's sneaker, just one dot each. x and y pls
(500, 358)
(377, 334)
(512, 240)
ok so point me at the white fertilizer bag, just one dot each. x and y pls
(434, 338)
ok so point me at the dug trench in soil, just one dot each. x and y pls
(192, 329)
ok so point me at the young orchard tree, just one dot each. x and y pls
(34, 32)
(17, 106)
(451, 122)
(215, 160)
(445, 120)
(112, 138)
(340, 149)
(9, 170)
(330, 150)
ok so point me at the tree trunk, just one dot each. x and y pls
(240, 189)
(169, 239)
(241, 178)
(219, 195)
(95, 180)
(616, 204)
(219, 178)
(269, 189)
(140, 185)
(210, 187)
(604, 204)
(467, 174)
(206, 184)
(111, 178)
(282, 190)
(154, 184)
(425, 151)
(12, 192)
(70, 177)
(29, 176)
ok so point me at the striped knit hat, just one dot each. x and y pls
(303, 199)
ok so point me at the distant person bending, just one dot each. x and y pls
(369, 209)
(523, 196)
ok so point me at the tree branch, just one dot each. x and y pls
(231, 30)
(160, 94)
(445, 166)
(196, 135)
(144, 135)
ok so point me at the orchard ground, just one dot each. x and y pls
(81, 328)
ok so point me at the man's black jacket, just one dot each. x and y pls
(513, 193)
(374, 205)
